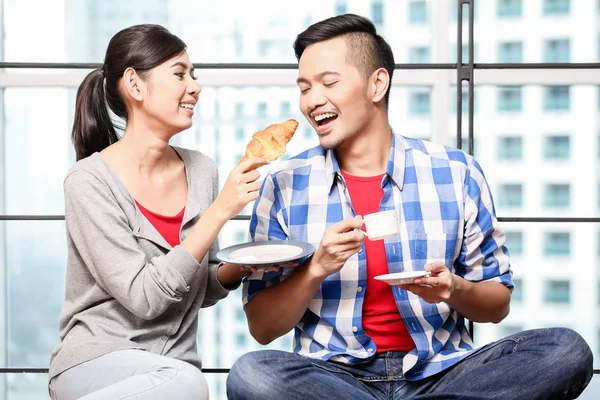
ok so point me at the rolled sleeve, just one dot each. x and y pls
(483, 255)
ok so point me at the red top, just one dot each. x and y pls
(168, 227)
(381, 320)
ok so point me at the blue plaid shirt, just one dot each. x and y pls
(445, 211)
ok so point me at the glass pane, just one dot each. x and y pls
(223, 31)
(544, 151)
(37, 148)
(502, 31)
(547, 293)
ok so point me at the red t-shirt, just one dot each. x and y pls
(381, 320)
(168, 227)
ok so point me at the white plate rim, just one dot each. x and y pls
(307, 250)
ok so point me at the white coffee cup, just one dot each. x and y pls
(381, 225)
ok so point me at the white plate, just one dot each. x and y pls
(402, 278)
(266, 254)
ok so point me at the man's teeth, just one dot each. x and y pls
(188, 106)
(323, 116)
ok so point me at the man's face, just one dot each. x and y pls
(333, 93)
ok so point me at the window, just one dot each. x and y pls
(261, 110)
(557, 244)
(509, 99)
(509, 8)
(377, 12)
(239, 134)
(557, 147)
(239, 110)
(240, 340)
(510, 148)
(557, 50)
(514, 242)
(285, 108)
(557, 291)
(308, 132)
(510, 52)
(556, 7)
(517, 294)
(452, 57)
(418, 55)
(341, 7)
(464, 100)
(557, 195)
(556, 98)
(419, 103)
(511, 195)
(417, 12)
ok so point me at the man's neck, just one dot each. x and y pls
(367, 153)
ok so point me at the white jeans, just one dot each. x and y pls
(130, 374)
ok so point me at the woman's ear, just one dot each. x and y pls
(380, 81)
(133, 84)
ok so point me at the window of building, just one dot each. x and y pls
(419, 55)
(464, 100)
(557, 50)
(557, 291)
(285, 108)
(510, 52)
(377, 13)
(509, 99)
(557, 244)
(556, 7)
(511, 195)
(556, 98)
(419, 103)
(452, 57)
(514, 242)
(261, 110)
(557, 195)
(239, 110)
(510, 148)
(239, 134)
(517, 294)
(509, 8)
(557, 147)
(341, 7)
(417, 12)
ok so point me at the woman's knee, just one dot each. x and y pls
(190, 380)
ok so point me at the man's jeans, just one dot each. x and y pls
(553, 363)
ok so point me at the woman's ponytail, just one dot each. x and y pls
(93, 129)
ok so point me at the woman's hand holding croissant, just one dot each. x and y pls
(241, 187)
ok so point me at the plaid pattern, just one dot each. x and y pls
(445, 211)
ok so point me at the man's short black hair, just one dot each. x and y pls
(367, 50)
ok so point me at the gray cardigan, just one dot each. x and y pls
(126, 287)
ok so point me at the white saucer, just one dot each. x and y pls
(402, 278)
(266, 254)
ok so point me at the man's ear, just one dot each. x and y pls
(133, 84)
(380, 81)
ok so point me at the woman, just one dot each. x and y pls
(142, 222)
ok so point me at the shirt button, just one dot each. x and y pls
(354, 329)
(359, 289)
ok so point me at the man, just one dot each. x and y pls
(357, 337)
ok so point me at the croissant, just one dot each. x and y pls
(271, 142)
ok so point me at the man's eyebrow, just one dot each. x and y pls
(320, 75)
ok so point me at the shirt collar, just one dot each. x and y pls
(395, 167)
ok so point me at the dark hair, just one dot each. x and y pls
(141, 47)
(367, 50)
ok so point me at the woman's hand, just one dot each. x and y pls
(241, 187)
